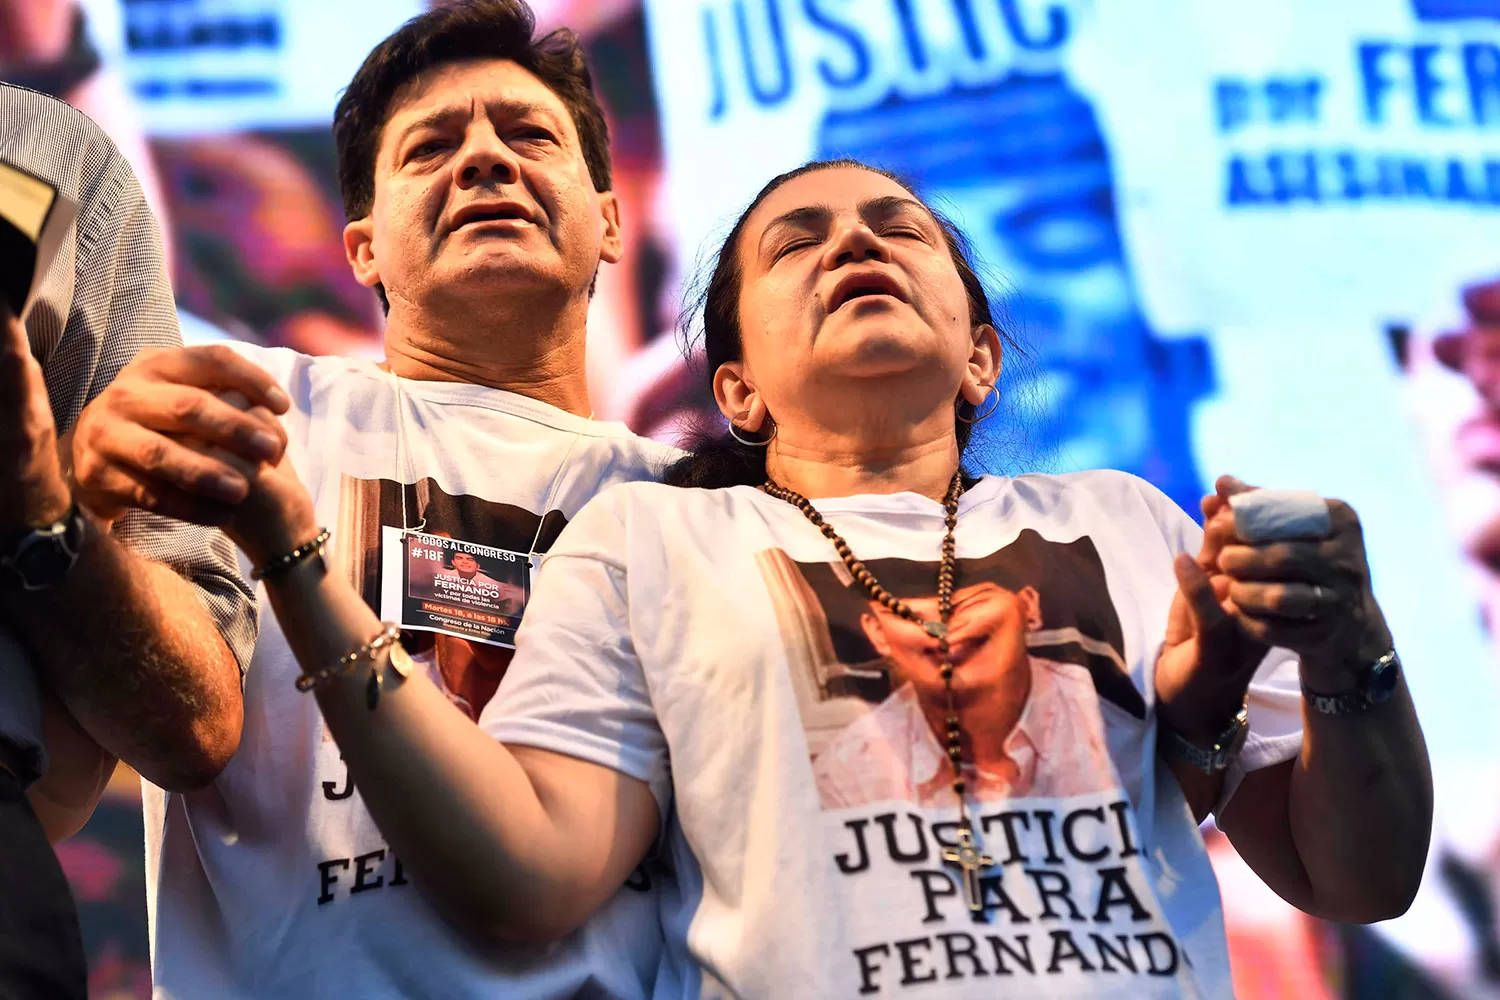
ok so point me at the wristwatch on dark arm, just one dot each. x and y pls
(41, 557)
(1215, 757)
(1377, 683)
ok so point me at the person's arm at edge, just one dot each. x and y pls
(125, 642)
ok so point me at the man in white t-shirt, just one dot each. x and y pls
(474, 166)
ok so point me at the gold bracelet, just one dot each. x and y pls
(389, 635)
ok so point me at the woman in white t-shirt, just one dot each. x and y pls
(695, 661)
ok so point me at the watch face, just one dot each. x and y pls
(1382, 681)
(43, 564)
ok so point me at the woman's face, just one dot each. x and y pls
(986, 639)
(846, 276)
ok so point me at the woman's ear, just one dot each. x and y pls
(737, 398)
(983, 372)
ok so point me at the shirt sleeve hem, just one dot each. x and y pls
(545, 735)
(1259, 752)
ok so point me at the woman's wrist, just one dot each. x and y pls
(274, 541)
(1201, 723)
(1342, 667)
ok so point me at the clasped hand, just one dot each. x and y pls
(28, 439)
(1237, 599)
(192, 433)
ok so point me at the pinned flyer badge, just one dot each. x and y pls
(434, 583)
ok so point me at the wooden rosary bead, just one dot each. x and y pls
(947, 572)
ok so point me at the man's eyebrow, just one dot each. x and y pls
(432, 119)
(501, 108)
(806, 217)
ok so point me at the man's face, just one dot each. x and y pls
(986, 639)
(464, 564)
(481, 190)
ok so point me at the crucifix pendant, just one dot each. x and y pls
(936, 629)
(967, 856)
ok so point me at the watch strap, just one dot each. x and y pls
(1376, 685)
(1212, 759)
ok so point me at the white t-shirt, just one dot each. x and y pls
(711, 644)
(274, 881)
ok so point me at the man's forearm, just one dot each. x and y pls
(135, 656)
(1359, 808)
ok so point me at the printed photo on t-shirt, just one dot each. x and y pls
(452, 570)
(1046, 885)
(1034, 642)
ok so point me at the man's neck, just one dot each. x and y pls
(543, 362)
(987, 717)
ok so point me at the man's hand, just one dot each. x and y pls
(276, 515)
(133, 446)
(28, 440)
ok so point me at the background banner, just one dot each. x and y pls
(1254, 237)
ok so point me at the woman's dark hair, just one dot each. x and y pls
(715, 459)
(457, 32)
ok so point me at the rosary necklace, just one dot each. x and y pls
(966, 854)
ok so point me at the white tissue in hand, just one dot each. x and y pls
(1280, 515)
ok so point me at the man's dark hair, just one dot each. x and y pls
(457, 32)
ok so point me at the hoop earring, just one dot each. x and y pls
(753, 444)
(976, 418)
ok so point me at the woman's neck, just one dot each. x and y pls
(835, 467)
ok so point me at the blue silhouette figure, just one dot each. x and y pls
(1024, 165)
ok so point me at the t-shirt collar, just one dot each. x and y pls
(894, 503)
(501, 400)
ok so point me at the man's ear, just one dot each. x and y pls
(983, 372)
(875, 632)
(613, 246)
(737, 398)
(359, 239)
(1031, 604)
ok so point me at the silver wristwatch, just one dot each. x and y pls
(1215, 758)
(1377, 683)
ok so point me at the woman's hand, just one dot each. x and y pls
(1237, 599)
(1311, 596)
(1207, 658)
(277, 513)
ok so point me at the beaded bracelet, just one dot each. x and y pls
(389, 633)
(283, 563)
